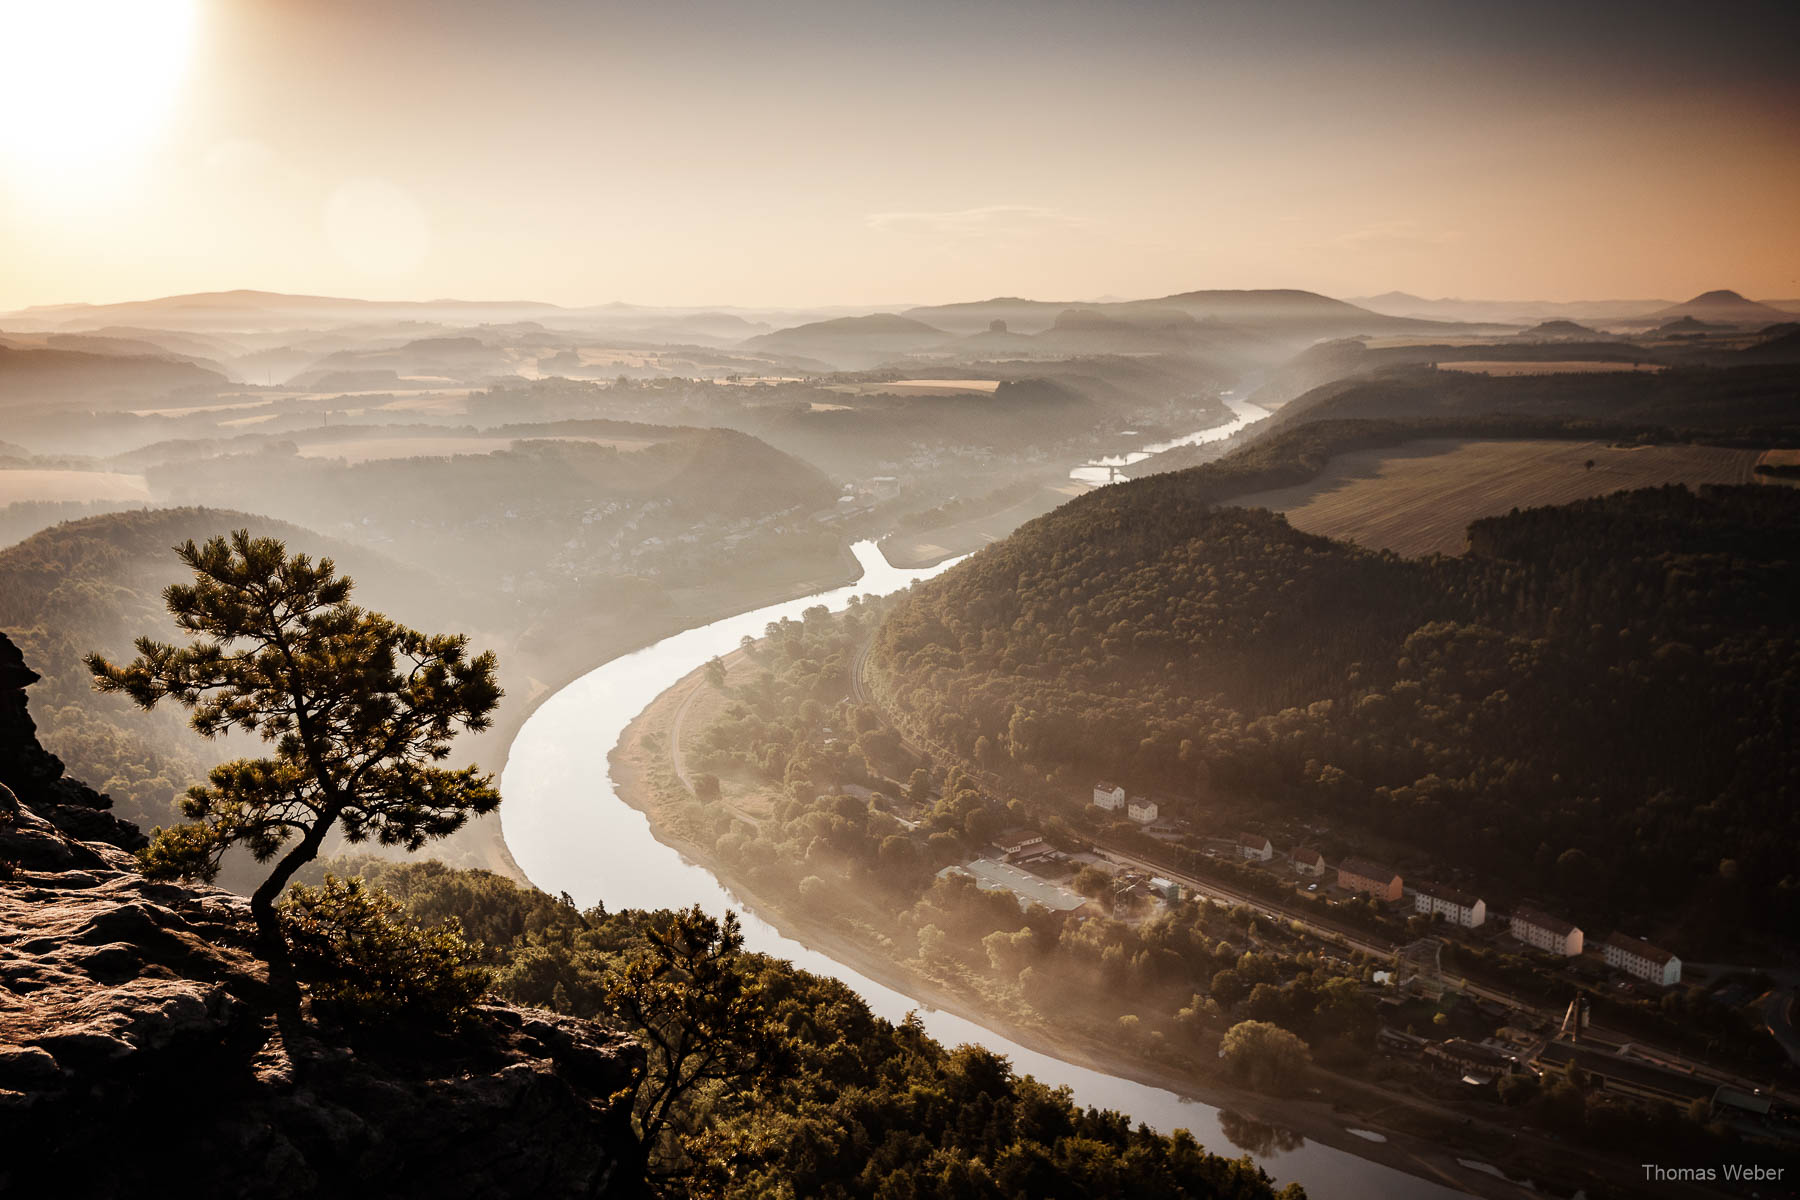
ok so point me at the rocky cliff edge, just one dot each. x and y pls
(139, 1055)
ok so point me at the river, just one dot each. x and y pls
(570, 832)
(1100, 470)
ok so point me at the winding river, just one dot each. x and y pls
(570, 832)
(1101, 470)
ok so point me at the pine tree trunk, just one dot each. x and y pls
(271, 943)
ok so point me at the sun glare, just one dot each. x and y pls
(85, 80)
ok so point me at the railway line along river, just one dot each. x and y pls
(570, 832)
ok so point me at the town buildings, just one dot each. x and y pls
(1635, 956)
(1017, 843)
(1457, 906)
(1308, 861)
(1624, 1076)
(1475, 1063)
(1540, 930)
(1109, 795)
(1255, 846)
(1372, 878)
(1141, 809)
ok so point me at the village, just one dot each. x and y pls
(1499, 1035)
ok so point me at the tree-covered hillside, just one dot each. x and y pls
(801, 1091)
(1595, 705)
(97, 584)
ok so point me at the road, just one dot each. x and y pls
(675, 728)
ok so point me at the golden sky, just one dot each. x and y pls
(846, 151)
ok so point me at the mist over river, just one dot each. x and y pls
(570, 832)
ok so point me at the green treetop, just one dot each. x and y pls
(359, 710)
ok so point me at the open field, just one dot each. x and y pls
(444, 402)
(189, 411)
(1779, 458)
(1572, 367)
(1419, 497)
(27, 484)
(925, 547)
(918, 387)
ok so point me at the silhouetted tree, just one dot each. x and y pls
(358, 707)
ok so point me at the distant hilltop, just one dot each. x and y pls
(1721, 306)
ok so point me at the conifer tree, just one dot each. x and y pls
(359, 709)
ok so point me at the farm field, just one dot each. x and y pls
(918, 387)
(31, 484)
(1419, 497)
(1569, 367)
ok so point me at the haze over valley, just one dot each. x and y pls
(782, 599)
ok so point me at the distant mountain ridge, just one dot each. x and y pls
(1621, 312)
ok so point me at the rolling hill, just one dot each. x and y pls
(1721, 307)
(33, 377)
(853, 343)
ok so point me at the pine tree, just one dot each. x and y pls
(359, 709)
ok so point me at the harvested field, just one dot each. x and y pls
(1419, 497)
(1587, 367)
(31, 484)
(945, 385)
(917, 387)
(446, 402)
(1779, 458)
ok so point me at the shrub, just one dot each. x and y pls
(363, 962)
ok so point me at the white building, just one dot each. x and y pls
(1141, 809)
(1255, 846)
(1552, 935)
(1308, 861)
(1635, 956)
(1457, 906)
(1021, 843)
(1109, 796)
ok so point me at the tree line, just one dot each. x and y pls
(1593, 706)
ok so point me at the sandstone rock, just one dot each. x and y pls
(139, 1055)
(36, 775)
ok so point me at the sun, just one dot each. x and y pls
(88, 80)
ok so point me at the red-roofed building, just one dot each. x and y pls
(1373, 878)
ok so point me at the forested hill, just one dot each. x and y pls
(1743, 405)
(1593, 707)
(97, 584)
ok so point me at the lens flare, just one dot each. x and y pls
(87, 80)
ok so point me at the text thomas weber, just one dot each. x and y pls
(1729, 1172)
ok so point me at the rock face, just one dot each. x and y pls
(139, 1055)
(36, 776)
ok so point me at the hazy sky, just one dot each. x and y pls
(822, 151)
